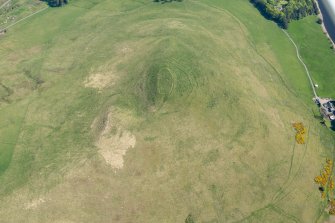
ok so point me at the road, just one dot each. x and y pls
(327, 9)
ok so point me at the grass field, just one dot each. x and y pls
(315, 49)
(132, 111)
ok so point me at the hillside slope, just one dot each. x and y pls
(133, 111)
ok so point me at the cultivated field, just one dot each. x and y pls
(133, 111)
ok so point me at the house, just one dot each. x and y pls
(327, 108)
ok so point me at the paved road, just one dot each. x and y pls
(302, 62)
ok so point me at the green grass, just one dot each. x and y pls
(316, 52)
(12, 120)
(208, 88)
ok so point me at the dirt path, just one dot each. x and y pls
(302, 62)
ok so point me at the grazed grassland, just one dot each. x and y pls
(131, 111)
(315, 50)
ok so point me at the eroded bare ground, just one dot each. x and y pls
(114, 140)
(107, 75)
(102, 77)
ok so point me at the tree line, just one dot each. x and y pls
(56, 3)
(282, 12)
(166, 1)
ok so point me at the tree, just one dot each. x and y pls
(282, 12)
(166, 1)
(319, 21)
(56, 3)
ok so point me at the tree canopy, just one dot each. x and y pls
(166, 1)
(56, 3)
(283, 12)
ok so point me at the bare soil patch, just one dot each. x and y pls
(100, 80)
(114, 141)
(34, 204)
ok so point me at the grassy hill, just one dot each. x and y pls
(134, 111)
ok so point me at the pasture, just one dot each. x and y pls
(134, 111)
